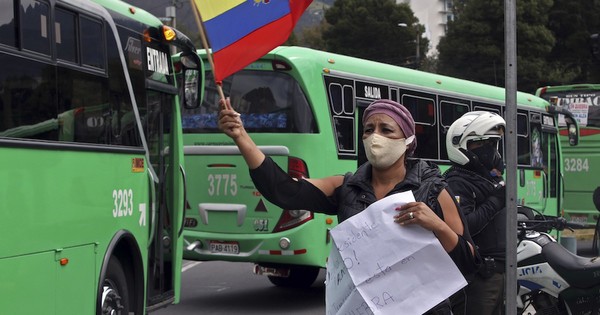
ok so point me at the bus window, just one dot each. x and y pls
(523, 147)
(550, 145)
(450, 110)
(336, 95)
(538, 154)
(26, 112)
(7, 23)
(342, 108)
(35, 26)
(259, 100)
(66, 40)
(344, 130)
(92, 52)
(394, 95)
(487, 107)
(361, 105)
(85, 97)
(267, 102)
(422, 108)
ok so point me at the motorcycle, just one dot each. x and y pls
(551, 279)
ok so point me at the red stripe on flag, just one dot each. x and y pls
(297, 7)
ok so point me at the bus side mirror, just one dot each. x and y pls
(572, 131)
(193, 83)
(191, 93)
(572, 126)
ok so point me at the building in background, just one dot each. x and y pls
(434, 15)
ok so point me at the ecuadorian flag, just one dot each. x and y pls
(241, 31)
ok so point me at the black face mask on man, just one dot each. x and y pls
(489, 157)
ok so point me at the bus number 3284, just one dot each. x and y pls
(576, 165)
(222, 184)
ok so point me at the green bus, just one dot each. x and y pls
(91, 179)
(580, 162)
(303, 107)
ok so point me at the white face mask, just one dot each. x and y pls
(382, 152)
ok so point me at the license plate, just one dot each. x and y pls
(579, 218)
(225, 247)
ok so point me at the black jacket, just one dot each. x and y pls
(356, 194)
(482, 201)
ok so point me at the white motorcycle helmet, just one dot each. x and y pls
(472, 126)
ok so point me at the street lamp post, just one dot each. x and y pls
(418, 42)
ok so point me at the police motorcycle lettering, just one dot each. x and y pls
(551, 279)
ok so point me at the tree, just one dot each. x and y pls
(369, 29)
(473, 47)
(292, 40)
(573, 22)
(312, 37)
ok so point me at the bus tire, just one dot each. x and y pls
(300, 277)
(114, 294)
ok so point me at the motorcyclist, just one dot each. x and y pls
(475, 180)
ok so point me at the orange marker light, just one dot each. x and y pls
(132, 10)
(147, 37)
(64, 261)
(168, 33)
(329, 220)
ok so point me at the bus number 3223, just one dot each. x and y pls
(576, 165)
(222, 184)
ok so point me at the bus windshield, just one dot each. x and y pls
(267, 101)
(582, 160)
(583, 104)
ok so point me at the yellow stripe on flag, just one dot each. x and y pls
(211, 8)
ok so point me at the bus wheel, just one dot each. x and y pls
(300, 277)
(115, 297)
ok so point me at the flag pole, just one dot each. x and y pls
(208, 53)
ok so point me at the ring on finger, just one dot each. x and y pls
(411, 215)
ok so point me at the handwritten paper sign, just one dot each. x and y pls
(377, 266)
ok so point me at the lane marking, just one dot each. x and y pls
(190, 266)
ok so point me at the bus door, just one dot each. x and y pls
(551, 166)
(163, 229)
(537, 159)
